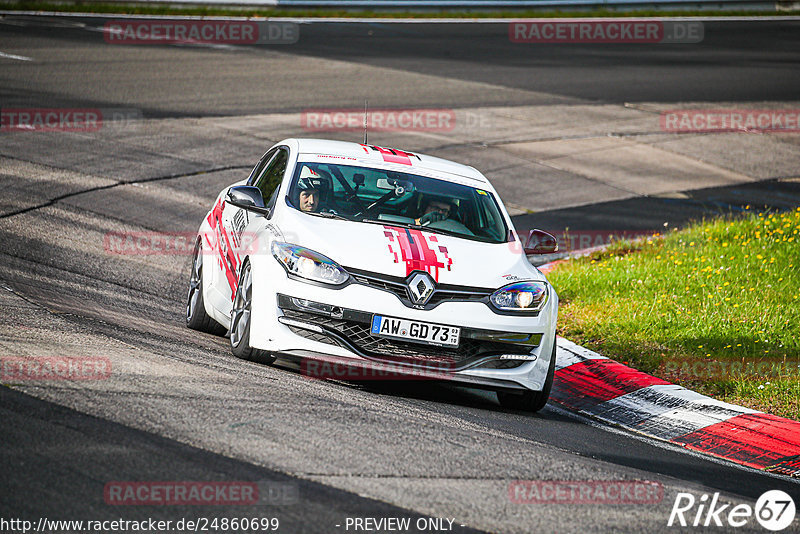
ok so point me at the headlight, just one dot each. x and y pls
(306, 263)
(520, 296)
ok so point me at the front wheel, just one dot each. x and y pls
(196, 316)
(530, 401)
(241, 319)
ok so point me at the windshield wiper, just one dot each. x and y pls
(374, 221)
(328, 215)
(438, 230)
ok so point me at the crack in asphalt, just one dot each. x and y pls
(118, 183)
(4, 285)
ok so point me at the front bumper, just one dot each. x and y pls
(312, 321)
(351, 329)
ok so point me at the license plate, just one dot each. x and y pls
(432, 334)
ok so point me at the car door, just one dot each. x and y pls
(235, 242)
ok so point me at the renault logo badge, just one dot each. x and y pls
(420, 287)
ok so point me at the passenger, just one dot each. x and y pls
(436, 210)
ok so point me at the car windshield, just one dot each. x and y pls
(370, 195)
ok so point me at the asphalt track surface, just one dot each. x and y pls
(178, 406)
(736, 61)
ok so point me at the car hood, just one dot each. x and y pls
(396, 251)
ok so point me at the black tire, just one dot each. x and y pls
(196, 316)
(530, 401)
(240, 320)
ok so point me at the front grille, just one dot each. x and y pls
(354, 333)
(460, 296)
(398, 287)
(502, 364)
(312, 336)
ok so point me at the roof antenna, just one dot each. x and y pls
(365, 121)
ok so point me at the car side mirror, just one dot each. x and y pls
(247, 197)
(540, 242)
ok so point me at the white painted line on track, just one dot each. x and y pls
(340, 20)
(637, 406)
(14, 56)
(659, 407)
(662, 443)
(576, 352)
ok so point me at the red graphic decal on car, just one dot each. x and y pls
(417, 252)
(227, 259)
(448, 261)
(392, 155)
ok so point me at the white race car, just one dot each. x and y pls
(394, 264)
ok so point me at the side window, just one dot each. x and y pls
(271, 177)
(260, 166)
(493, 224)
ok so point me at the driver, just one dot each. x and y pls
(311, 186)
(436, 210)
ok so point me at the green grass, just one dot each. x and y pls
(133, 8)
(683, 305)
